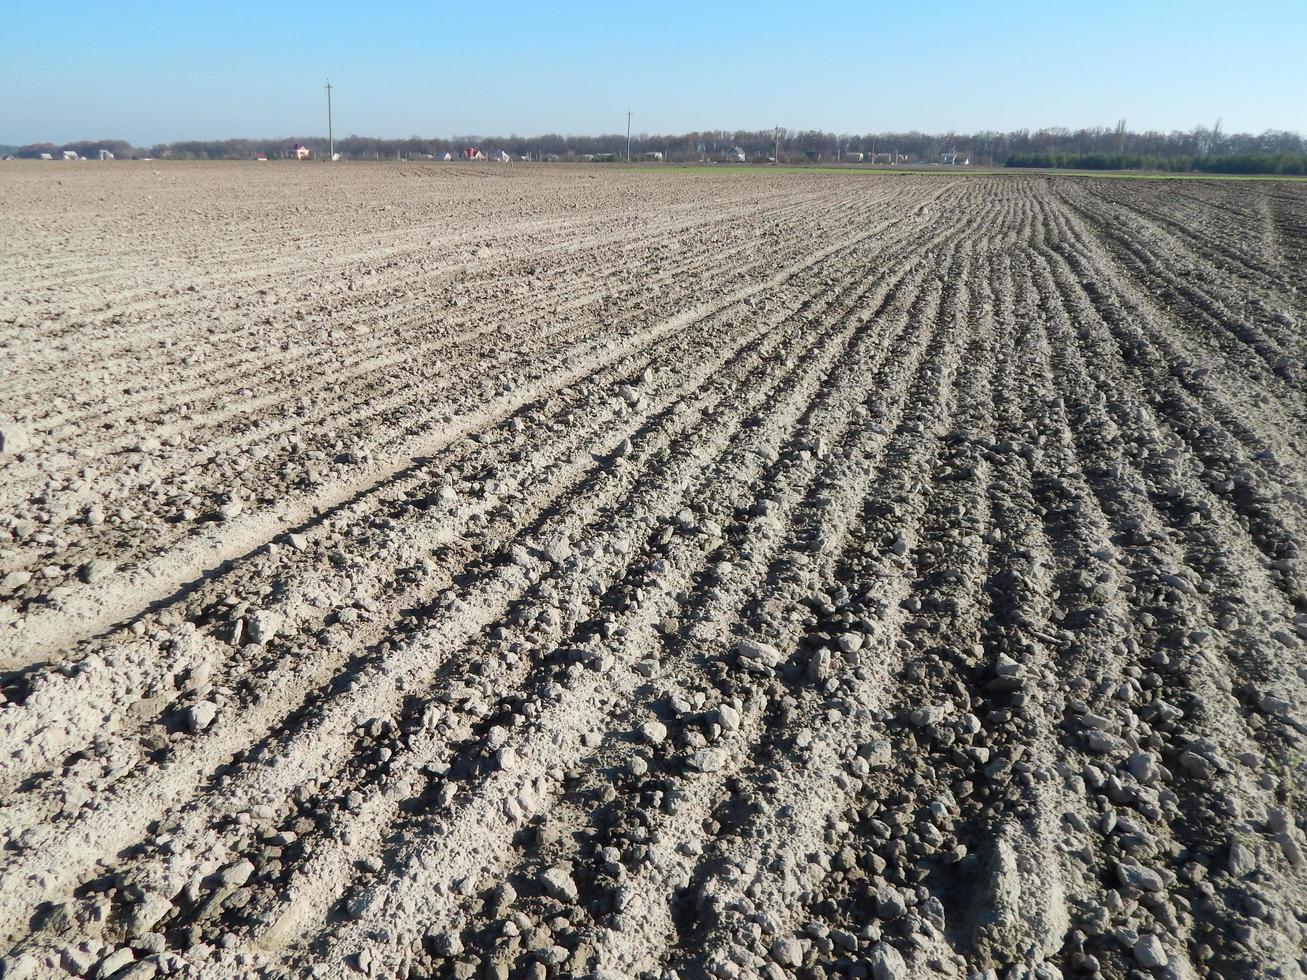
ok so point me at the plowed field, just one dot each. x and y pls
(416, 571)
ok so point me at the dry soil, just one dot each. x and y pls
(471, 571)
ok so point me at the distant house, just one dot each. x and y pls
(500, 156)
(106, 155)
(46, 156)
(853, 157)
(446, 155)
(472, 153)
(300, 152)
(70, 155)
(261, 157)
(655, 155)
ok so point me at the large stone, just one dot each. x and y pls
(1149, 952)
(761, 658)
(200, 716)
(653, 732)
(787, 951)
(13, 439)
(557, 883)
(886, 963)
(263, 626)
(707, 760)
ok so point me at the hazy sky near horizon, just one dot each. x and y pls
(150, 72)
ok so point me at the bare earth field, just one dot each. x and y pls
(410, 571)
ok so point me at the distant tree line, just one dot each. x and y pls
(1201, 149)
(1218, 163)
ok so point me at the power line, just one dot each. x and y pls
(331, 139)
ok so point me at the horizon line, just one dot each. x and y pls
(688, 132)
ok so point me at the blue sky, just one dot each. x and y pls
(151, 72)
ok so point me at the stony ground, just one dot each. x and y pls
(420, 571)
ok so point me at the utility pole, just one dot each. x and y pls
(776, 155)
(628, 135)
(331, 139)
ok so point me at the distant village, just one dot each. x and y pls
(701, 154)
(100, 154)
(1096, 148)
(726, 148)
